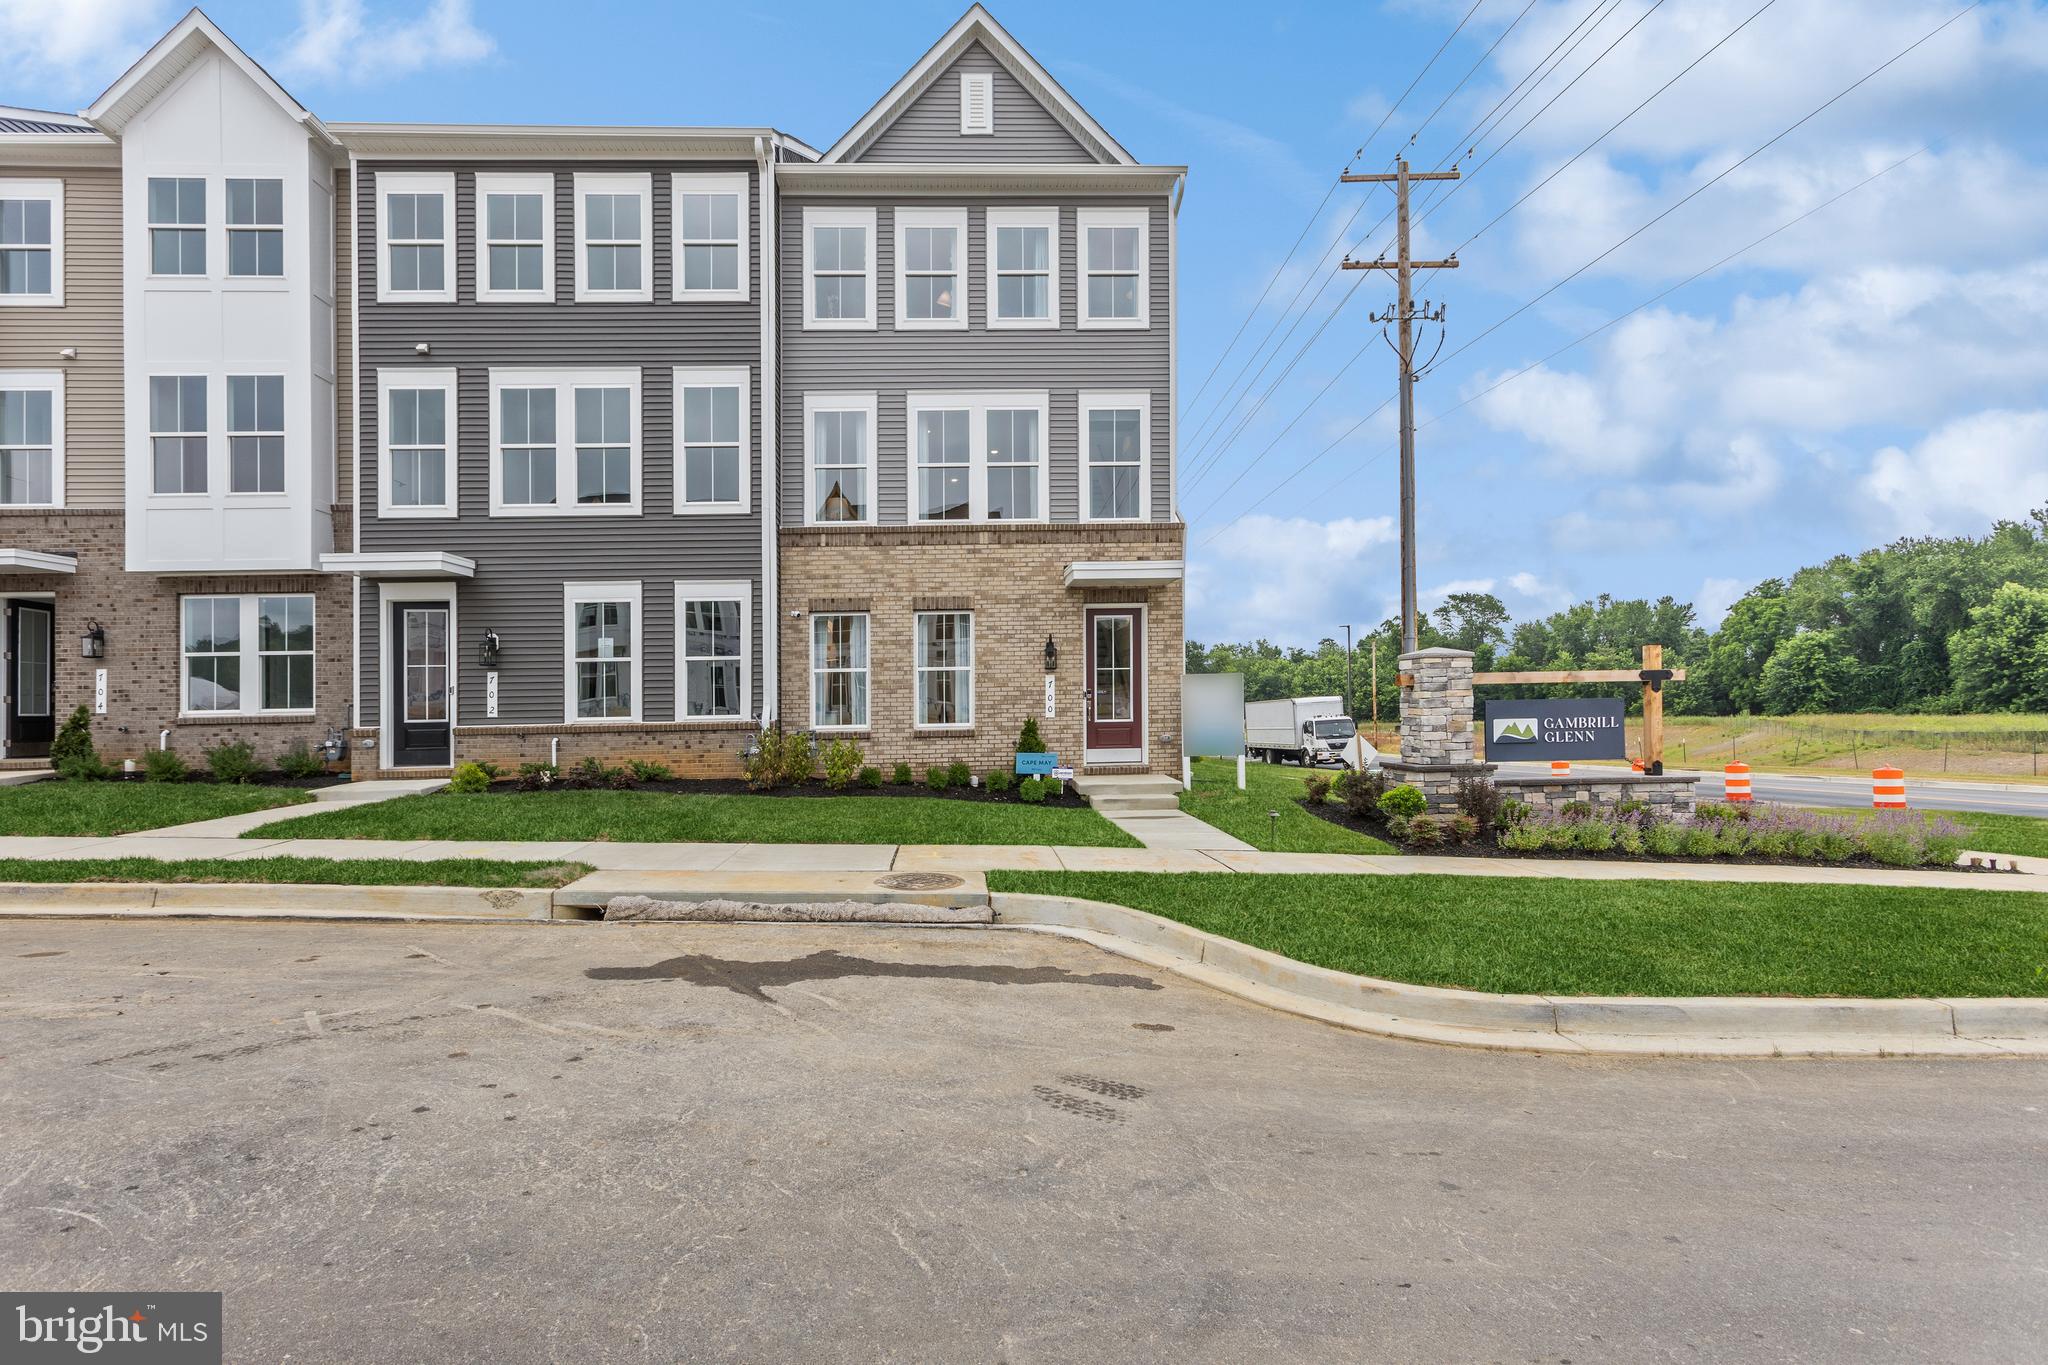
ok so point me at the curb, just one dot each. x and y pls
(1706, 1026)
(127, 900)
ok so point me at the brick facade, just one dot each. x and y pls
(1011, 579)
(693, 749)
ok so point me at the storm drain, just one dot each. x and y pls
(919, 881)
(718, 911)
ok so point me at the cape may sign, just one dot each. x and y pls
(1541, 731)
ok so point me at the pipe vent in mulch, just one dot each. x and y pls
(651, 908)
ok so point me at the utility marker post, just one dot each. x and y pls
(1405, 315)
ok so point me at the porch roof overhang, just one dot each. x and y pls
(1123, 573)
(36, 561)
(400, 564)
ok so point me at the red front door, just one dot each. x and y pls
(1116, 679)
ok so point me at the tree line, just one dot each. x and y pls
(1924, 624)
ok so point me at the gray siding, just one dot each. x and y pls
(929, 129)
(893, 363)
(522, 562)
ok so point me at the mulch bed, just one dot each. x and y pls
(733, 786)
(201, 777)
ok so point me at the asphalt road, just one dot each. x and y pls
(598, 1143)
(1930, 794)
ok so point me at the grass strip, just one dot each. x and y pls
(57, 807)
(1568, 937)
(483, 872)
(1248, 814)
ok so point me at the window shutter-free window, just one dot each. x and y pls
(418, 408)
(28, 436)
(713, 469)
(256, 227)
(177, 226)
(255, 433)
(839, 671)
(177, 432)
(945, 668)
(32, 242)
(710, 222)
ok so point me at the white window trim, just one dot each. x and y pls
(860, 218)
(683, 183)
(211, 232)
(565, 382)
(390, 377)
(228, 435)
(228, 230)
(726, 590)
(642, 184)
(1141, 219)
(251, 655)
(956, 219)
(977, 406)
(416, 182)
(506, 182)
(815, 403)
(621, 590)
(985, 82)
(739, 377)
(53, 191)
(1091, 401)
(52, 380)
(216, 424)
(918, 670)
(1047, 218)
(867, 723)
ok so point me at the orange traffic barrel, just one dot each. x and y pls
(1888, 788)
(1560, 767)
(1735, 782)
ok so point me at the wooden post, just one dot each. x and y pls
(1653, 713)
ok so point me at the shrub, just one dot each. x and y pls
(72, 753)
(1360, 792)
(1524, 836)
(301, 761)
(649, 770)
(1770, 843)
(1575, 810)
(1028, 741)
(999, 780)
(938, 778)
(594, 772)
(764, 764)
(234, 762)
(842, 760)
(1425, 831)
(900, 775)
(799, 759)
(469, 779)
(1055, 787)
(959, 775)
(1592, 836)
(1559, 836)
(1480, 799)
(1833, 846)
(1666, 840)
(1700, 841)
(1892, 848)
(163, 765)
(1462, 828)
(1513, 812)
(1629, 838)
(871, 777)
(535, 777)
(1031, 791)
(1317, 789)
(1405, 799)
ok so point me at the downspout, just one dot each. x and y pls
(765, 152)
(355, 453)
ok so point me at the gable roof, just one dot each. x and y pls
(978, 25)
(172, 55)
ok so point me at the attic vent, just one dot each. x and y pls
(977, 103)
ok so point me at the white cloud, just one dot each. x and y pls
(1288, 578)
(1965, 474)
(75, 47)
(337, 43)
(1715, 596)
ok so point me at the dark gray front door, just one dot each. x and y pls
(420, 679)
(31, 678)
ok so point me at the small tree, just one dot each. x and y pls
(1028, 742)
(72, 753)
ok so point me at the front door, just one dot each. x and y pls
(1116, 674)
(31, 678)
(419, 685)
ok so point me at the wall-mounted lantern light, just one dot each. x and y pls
(1052, 655)
(487, 655)
(93, 644)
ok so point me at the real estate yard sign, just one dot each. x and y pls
(1544, 731)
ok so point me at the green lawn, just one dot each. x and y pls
(1267, 788)
(302, 871)
(1554, 936)
(664, 817)
(58, 807)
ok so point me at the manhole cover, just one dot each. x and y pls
(919, 881)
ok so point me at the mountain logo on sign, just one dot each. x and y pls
(1515, 729)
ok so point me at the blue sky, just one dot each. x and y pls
(1881, 369)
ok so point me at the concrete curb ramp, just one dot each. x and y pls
(1705, 1026)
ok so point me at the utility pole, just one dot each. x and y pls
(1347, 668)
(1405, 315)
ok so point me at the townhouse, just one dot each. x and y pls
(529, 444)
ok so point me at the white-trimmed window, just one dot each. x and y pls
(515, 216)
(1114, 289)
(177, 432)
(978, 457)
(416, 478)
(714, 650)
(1023, 251)
(31, 243)
(603, 644)
(839, 671)
(944, 665)
(709, 214)
(230, 641)
(839, 452)
(1116, 444)
(839, 268)
(31, 440)
(416, 221)
(255, 228)
(255, 433)
(565, 442)
(931, 268)
(714, 457)
(977, 104)
(614, 225)
(177, 225)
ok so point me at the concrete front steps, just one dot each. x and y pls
(1138, 795)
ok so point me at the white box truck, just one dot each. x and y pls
(1308, 730)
